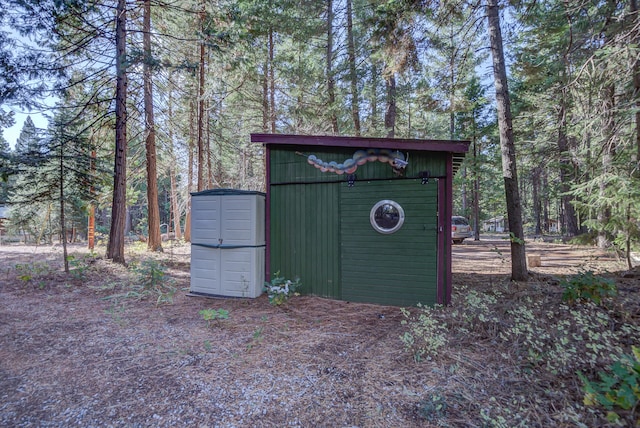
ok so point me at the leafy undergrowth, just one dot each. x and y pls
(531, 354)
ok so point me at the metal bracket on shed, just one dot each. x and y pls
(351, 180)
(424, 175)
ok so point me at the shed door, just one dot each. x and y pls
(206, 219)
(394, 267)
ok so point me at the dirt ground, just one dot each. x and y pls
(72, 355)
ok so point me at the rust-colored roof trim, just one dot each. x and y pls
(450, 146)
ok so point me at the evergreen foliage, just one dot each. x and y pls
(411, 69)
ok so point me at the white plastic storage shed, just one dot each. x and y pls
(227, 243)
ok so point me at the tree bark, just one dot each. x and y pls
(476, 186)
(154, 241)
(272, 85)
(331, 84)
(115, 247)
(604, 212)
(633, 7)
(201, 153)
(353, 76)
(172, 176)
(91, 226)
(537, 201)
(63, 226)
(192, 132)
(566, 168)
(265, 96)
(390, 114)
(374, 97)
(509, 169)
(210, 180)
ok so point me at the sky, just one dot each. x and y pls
(12, 134)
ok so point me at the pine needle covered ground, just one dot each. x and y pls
(126, 347)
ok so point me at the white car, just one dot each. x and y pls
(460, 229)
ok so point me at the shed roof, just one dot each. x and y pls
(226, 192)
(457, 148)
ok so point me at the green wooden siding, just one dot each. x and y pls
(320, 229)
(289, 167)
(305, 236)
(395, 269)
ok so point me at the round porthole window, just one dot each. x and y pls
(386, 216)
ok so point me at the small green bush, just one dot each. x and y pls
(587, 286)
(281, 289)
(619, 388)
(211, 315)
(151, 281)
(80, 266)
(28, 271)
(425, 334)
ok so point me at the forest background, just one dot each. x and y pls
(155, 99)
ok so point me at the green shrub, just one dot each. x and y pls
(433, 407)
(425, 333)
(28, 271)
(80, 266)
(211, 315)
(619, 388)
(281, 289)
(587, 287)
(151, 281)
(564, 339)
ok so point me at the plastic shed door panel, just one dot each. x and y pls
(206, 219)
(232, 272)
(242, 273)
(242, 220)
(205, 270)
(228, 220)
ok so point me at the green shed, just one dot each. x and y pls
(361, 219)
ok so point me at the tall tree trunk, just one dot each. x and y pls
(509, 169)
(537, 201)
(63, 226)
(633, 7)
(115, 248)
(210, 180)
(265, 96)
(191, 149)
(154, 241)
(566, 165)
(272, 85)
(566, 172)
(545, 204)
(374, 97)
(608, 151)
(91, 227)
(331, 83)
(390, 114)
(452, 83)
(476, 188)
(201, 108)
(172, 174)
(353, 76)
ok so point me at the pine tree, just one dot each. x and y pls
(115, 247)
(28, 142)
(5, 169)
(509, 169)
(154, 241)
